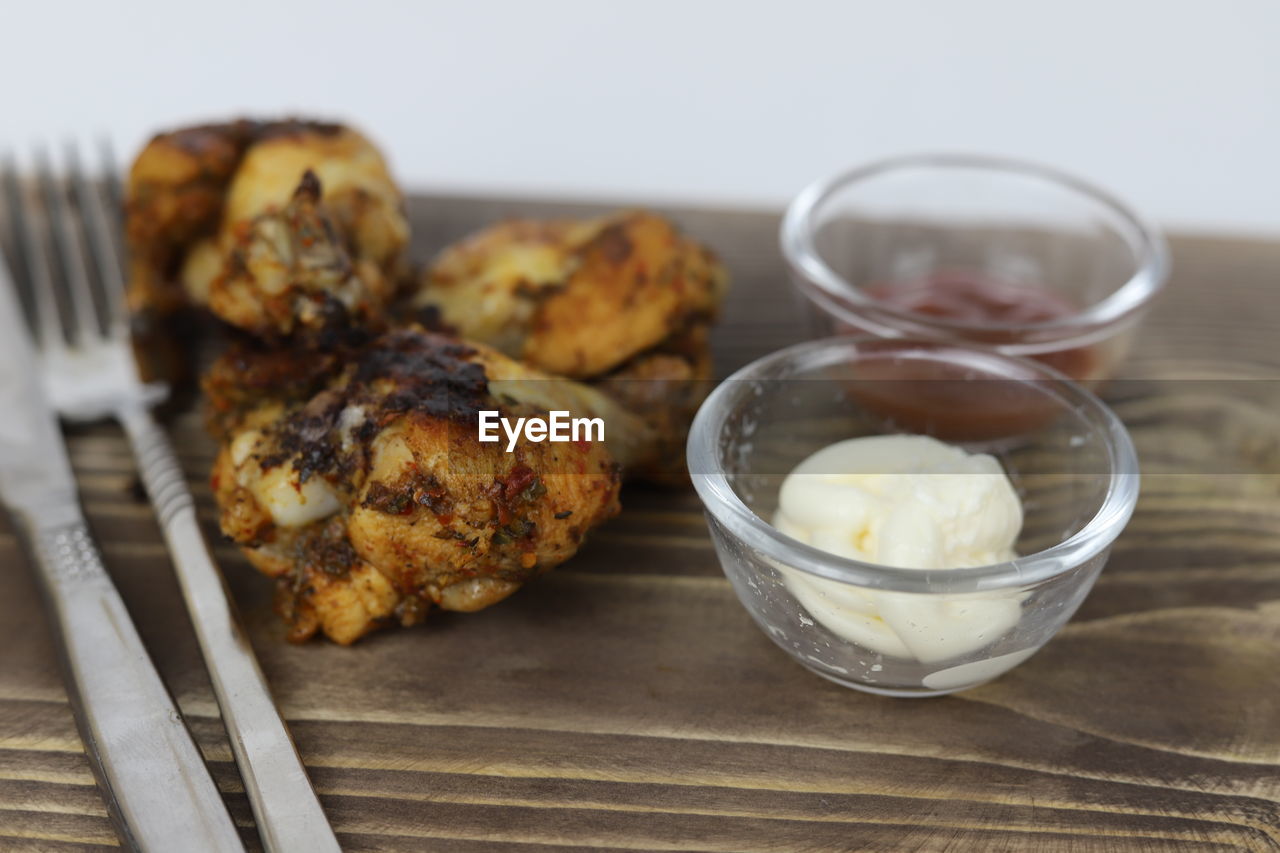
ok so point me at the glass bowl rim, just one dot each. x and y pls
(726, 508)
(796, 236)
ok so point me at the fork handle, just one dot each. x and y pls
(285, 806)
(156, 785)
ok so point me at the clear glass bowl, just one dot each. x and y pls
(1070, 460)
(853, 238)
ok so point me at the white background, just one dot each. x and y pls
(1175, 104)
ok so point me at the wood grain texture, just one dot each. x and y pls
(626, 701)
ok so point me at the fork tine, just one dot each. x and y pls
(67, 242)
(37, 274)
(110, 176)
(102, 243)
(113, 188)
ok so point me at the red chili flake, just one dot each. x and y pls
(520, 478)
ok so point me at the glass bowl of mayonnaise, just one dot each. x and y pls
(907, 517)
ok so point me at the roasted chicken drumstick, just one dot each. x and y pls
(624, 302)
(192, 193)
(373, 499)
(575, 298)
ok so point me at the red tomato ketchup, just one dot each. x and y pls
(974, 299)
(948, 401)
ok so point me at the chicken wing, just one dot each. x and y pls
(624, 302)
(193, 192)
(287, 271)
(372, 499)
(575, 298)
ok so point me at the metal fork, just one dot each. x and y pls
(91, 374)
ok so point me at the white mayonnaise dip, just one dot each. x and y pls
(913, 502)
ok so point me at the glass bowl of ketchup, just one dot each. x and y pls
(993, 251)
(910, 517)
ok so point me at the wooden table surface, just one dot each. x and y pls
(627, 701)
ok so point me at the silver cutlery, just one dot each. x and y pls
(90, 374)
(155, 782)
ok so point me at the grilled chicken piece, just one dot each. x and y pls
(576, 299)
(192, 194)
(664, 387)
(287, 271)
(368, 494)
(251, 373)
(624, 302)
(174, 198)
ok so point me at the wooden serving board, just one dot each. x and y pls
(627, 701)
